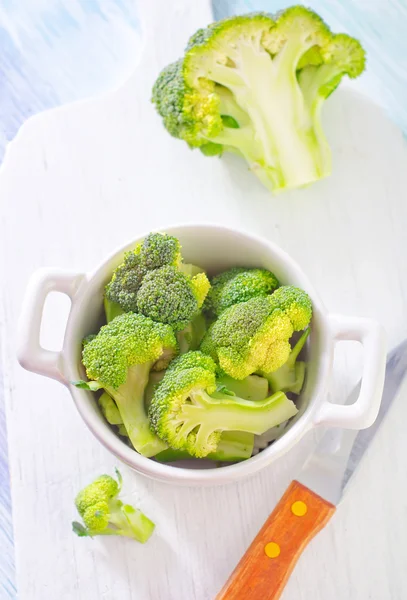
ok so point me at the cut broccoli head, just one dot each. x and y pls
(239, 284)
(153, 281)
(103, 513)
(185, 414)
(169, 296)
(126, 281)
(254, 336)
(127, 341)
(119, 359)
(157, 250)
(255, 85)
(249, 337)
(296, 304)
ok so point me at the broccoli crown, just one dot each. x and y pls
(130, 339)
(254, 335)
(296, 304)
(239, 285)
(104, 514)
(160, 249)
(254, 84)
(92, 502)
(157, 250)
(187, 417)
(169, 296)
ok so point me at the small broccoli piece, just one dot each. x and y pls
(255, 85)
(112, 310)
(234, 446)
(126, 281)
(153, 281)
(109, 409)
(239, 285)
(168, 296)
(252, 387)
(157, 250)
(184, 413)
(104, 514)
(296, 304)
(254, 336)
(119, 360)
(249, 337)
(290, 377)
(121, 430)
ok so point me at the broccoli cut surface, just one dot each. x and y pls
(255, 85)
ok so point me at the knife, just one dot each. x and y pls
(310, 500)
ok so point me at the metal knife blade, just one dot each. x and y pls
(331, 466)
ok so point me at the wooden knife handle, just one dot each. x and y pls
(265, 568)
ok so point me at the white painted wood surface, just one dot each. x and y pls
(81, 180)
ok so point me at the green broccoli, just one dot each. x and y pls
(157, 250)
(252, 387)
(153, 281)
(295, 303)
(234, 446)
(254, 336)
(255, 85)
(239, 284)
(119, 359)
(290, 377)
(168, 296)
(104, 514)
(185, 414)
(109, 409)
(112, 309)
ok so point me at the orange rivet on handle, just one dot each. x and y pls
(299, 508)
(272, 550)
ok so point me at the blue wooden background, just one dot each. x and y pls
(59, 51)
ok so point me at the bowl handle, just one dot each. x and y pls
(363, 412)
(30, 354)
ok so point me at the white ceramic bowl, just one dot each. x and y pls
(215, 249)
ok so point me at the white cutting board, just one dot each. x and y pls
(80, 180)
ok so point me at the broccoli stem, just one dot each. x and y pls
(233, 447)
(129, 399)
(290, 377)
(109, 409)
(252, 387)
(112, 310)
(230, 413)
(290, 149)
(127, 521)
